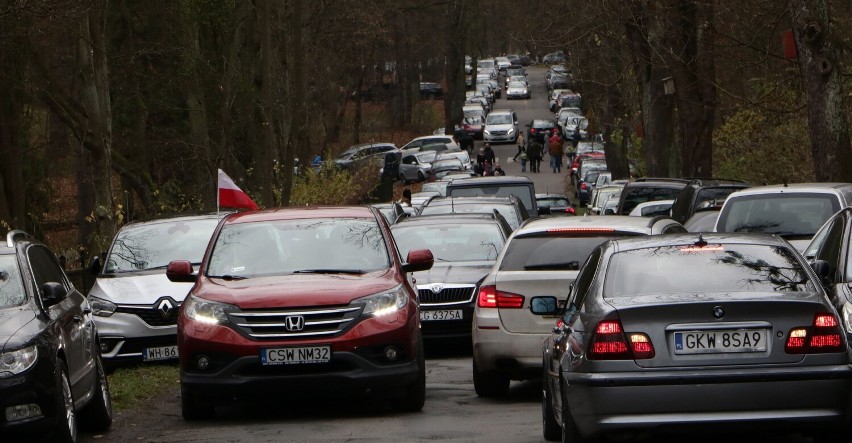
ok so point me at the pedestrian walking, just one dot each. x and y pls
(520, 145)
(534, 152)
(556, 151)
(523, 157)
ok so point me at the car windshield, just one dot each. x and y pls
(472, 118)
(499, 119)
(451, 242)
(278, 247)
(426, 156)
(517, 85)
(793, 214)
(551, 252)
(154, 245)
(11, 289)
(507, 211)
(724, 268)
(520, 191)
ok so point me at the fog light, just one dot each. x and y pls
(22, 412)
(203, 362)
(104, 347)
(391, 353)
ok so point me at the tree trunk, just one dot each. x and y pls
(694, 71)
(12, 135)
(454, 66)
(821, 74)
(297, 143)
(92, 62)
(656, 109)
(268, 148)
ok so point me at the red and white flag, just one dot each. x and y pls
(231, 196)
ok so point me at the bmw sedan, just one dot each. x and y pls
(708, 332)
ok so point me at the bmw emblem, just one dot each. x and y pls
(437, 288)
(718, 312)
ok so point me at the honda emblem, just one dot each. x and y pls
(295, 323)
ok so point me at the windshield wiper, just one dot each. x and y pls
(330, 271)
(229, 277)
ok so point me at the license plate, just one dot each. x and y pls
(160, 353)
(441, 314)
(720, 341)
(295, 356)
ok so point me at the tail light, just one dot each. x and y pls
(609, 342)
(532, 131)
(490, 297)
(823, 336)
(584, 186)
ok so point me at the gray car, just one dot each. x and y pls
(710, 331)
(465, 247)
(134, 304)
(416, 167)
(541, 258)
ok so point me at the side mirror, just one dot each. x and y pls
(418, 260)
(180, 271)
(823, 270)
(544, 305)
(95, 265)
(52, 293)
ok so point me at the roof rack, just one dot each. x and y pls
(663, 179)
(700, 180)
(10, 237)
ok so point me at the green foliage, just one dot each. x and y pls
(762, 147)
(333, 186)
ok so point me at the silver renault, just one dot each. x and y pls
(542, 257)
(135, 306)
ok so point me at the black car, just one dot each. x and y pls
(554, 204)
(541, 130)
(51, 374)
(703, 195)
(465, 247)
(431, 90)
(650, 189)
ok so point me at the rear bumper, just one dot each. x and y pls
(516, 355)
(806, 396)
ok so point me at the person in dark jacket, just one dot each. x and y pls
(534, 152)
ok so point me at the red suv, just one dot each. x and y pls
(306, 300)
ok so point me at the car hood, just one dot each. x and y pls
(296, 289)
(138, 289)
(466, 272)
(501, 127)
(12, 322)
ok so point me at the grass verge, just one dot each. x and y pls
(131, 387)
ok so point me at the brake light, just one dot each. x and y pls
(490, 297)
(823, 336)
(581, 230)
(532, 131)
(584, 186)
(610, 343)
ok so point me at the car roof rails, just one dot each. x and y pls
(715, 181)
(13, 234)
(663, 179)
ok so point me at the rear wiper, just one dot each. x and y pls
(564, 266)
(330, 271)
(229, 277)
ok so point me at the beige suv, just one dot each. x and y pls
(541, 257)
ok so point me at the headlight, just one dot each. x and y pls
(101, 307)
(16, 362)
(205, 311)
(384, 303)
(487, 131)
(511, 130)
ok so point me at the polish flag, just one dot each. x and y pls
(231, 196)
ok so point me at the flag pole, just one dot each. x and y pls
(218, 171)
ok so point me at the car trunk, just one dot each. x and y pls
(757, 324)
(531, 284)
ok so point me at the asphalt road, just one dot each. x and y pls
(453, 412)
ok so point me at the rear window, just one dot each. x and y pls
(521, 191)
(11, 289)
(559, 253)
(507, 211)
(451, 242)
(640, 194)
(713, 268)
(788, 214)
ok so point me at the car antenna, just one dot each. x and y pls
(701, 242)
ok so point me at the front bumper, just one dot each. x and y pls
(124, 336)
(500, 137)
(451, 329)
(806, 397)
(36, 386)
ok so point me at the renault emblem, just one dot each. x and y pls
(295, 323)
(718, 312)
(165, 307)
(437, 288)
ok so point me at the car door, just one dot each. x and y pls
(834, 250)
(71, 323)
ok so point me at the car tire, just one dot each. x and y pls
(550, 427)
(65, 430)
(415, 394)
(97, 415)
(402, 178)
(193, 409)
(489, 384)
(420, 176)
